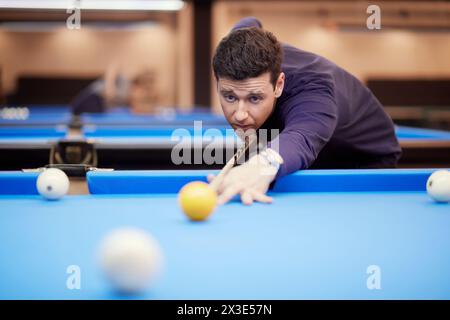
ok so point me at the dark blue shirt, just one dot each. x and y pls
(327, 118)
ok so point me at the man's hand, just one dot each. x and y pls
(251, 180)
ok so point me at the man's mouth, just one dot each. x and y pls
(243, 128)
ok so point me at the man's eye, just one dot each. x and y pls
(230, 98)
(255, 99)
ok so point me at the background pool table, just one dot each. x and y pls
(150, 147)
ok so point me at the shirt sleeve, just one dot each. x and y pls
(247, 22)
(310, 121)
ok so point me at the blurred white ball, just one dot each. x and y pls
(131, 259)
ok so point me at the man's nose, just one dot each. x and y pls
(241, 113)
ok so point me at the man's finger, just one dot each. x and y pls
(210, 177)
(228, 194)
(247, 198)
(261, 197)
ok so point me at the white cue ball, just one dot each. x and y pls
(52, 184)
(438, 186)
(131, 259)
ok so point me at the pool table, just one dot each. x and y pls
(150, 147)
(38, 115)
(171, 116)
(118, 138)
(327, 234)
(43, 115)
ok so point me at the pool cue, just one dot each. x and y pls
(230, 164)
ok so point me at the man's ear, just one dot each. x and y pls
(279, 86)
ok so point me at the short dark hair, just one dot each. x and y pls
(248, 53)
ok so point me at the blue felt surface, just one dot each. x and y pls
(41, 115)
(17, 132)
(123, 116)
(17, 182)
(410, 133)
(403, 133)
(166, 181)
(145, 131)
(128, 182)
(315, 245)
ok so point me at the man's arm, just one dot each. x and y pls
(310, 121)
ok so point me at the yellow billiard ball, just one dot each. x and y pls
(197, 200)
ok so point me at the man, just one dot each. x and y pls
(326, 117)
(116, 90)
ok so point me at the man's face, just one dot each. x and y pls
(248, 103)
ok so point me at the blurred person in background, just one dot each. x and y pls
(115, 89)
